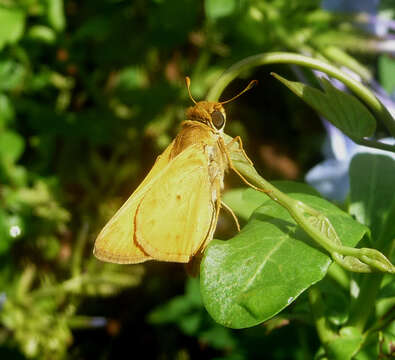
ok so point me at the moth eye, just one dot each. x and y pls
(218, 119)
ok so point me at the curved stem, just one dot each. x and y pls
(312, 221)
(375, 144)
(290, 58)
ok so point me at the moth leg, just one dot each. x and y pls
(240, 149)
(193, 266)
(217, 206)
(231, 213)
(230, 162)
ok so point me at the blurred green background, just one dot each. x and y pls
(90, 93)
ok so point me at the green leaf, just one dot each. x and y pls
(343, 110)
(253, 276)
(6, 111)
(42, 33)
(337, 301)
(12, 23)
(178, 307)
(5, 238)
(11, 146)
(171, 21)
(242, 205)
(244, 201)
(386, 70)
(346, 345)
(219, 8)
(131, 78)
(56, 14)
(372, 199)
(11, 74)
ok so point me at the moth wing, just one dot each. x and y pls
(115, 243)
(177, 214)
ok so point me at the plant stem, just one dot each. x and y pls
(364, 304)
(290, 58)
(325, 332)
(375, 144)
(79, 249)
(313, 222)
(338, 274)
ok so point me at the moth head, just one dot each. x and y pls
(211, 113)
(208, 112)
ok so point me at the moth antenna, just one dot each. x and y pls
(248, 87)
(188, 82)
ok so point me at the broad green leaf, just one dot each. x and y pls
(242, 206)
(12, 23)
(343, 110)
(11, 146)
(253, 276)
(244, 201)
(372, 195)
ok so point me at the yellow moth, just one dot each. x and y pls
(173, 213)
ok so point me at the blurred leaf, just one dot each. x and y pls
(177, 308)
(5, 238)
(346, 345)
(343, 110)
(110, 280)
(6, 111)
(56, 14)
(386, 69)
(219, 8)
(42, 33)
(11, 146)
(372, 199)
(49, 246)
(172, 311)
(388, 290)
(251, 277)
(12, 23)
(131, 78)
(11, 74)
(337, 302)
(218, 337)
(41, 200)
(171, 21)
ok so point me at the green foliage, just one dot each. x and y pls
(250, 278)
(90, 92)
(371, 197)
(12, 21)
(386, 68)
(341, 109)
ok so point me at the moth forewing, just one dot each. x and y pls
(114, 243)
(175, 216)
